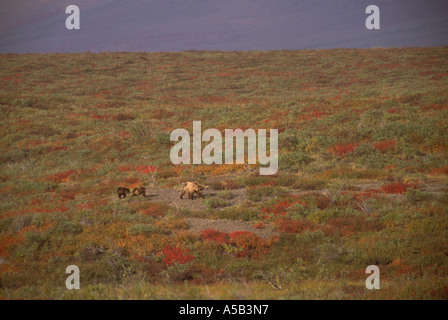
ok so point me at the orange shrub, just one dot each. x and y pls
(172, 224)
(244, 239)
(142, 246)
(250, 243)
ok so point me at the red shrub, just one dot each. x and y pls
(174, 255)
(443, 170)
(99, 117)
(61, 176)
(385, 145)
(68, 194)
(214, 235)
(397, 187)
(125, 134)
(259, 225)
(124, 168)
(295, 226)
(343, 149)
(365, 194)
(141, 168)
(146, 169)
(392, 110)
(348, 225)
(279, 209)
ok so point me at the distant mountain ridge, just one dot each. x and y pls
(178, 25)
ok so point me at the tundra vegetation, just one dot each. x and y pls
(362, 175)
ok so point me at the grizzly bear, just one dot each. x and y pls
(122, 191)
(139, 191)
(190, 188)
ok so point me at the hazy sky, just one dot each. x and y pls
(177, 25)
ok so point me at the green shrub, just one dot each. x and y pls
(216, 203)
(309, 184)
(68, 227)
(294, 161)
(253, 180)
(299, 211)
(226, 194)
(238, 213)
(261, 193)
(286, 180)
(417, 195)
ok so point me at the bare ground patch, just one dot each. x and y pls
(172, 196)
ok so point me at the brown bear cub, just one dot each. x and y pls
(122, 191)
(190, 188)
(139, 191)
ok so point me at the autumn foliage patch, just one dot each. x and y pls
(214, 235)
(174, 255)
(344, 149)
(279, 208)
(61, 176)
(385, 145)
(238, 243)
(399, 187)
(142, 168)
(295, 226)
(348, 225)
(250, 245)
